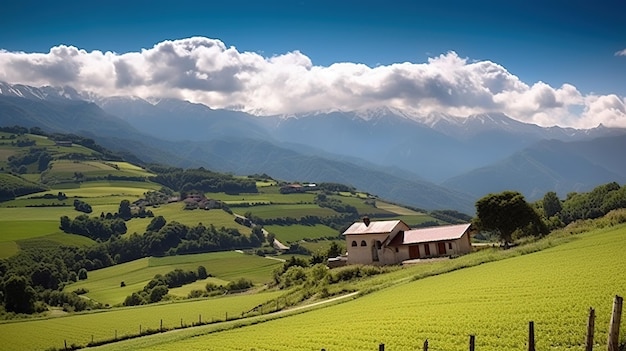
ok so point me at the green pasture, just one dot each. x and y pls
(65, 169)
(321, 245)
(295, 233)
(399, 210)
(176, 212)
(104, 284)
(183, 291)
(493, 301)
(79, 329)
(294, 211)
(265, 183)
(262, 197)
(13, 230)
(362, 207)
(416, 220)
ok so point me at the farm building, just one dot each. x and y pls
(292, 188)
(65, 143)
(393, 242)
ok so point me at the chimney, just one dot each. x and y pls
(366, 220)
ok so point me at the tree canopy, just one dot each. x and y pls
(507, 212)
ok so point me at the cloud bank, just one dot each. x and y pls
(205, 70)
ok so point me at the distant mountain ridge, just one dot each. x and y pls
(468, 155)
(225, 153)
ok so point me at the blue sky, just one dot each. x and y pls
(553, 41)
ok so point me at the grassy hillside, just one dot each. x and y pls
(79, 329)
(104, 284)
(494, 301)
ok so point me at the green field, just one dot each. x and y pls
(294, 211)
(104, 284)
(494, 301)
(63, 170)
(265, 196)
(295, 233)
(25, 224)
(175, 212)
(101, 325)
(183, 291)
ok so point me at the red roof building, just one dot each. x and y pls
(393, 242)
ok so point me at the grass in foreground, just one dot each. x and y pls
(80, 328)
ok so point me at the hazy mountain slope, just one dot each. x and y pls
(234, 154)
(549, 166)
(177, 120)
(255, 156)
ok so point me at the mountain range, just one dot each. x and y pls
(436, 161)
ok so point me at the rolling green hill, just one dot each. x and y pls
(494, 301)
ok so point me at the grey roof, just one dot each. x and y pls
(375, 227)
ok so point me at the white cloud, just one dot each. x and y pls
(206, 70)
(621, 53)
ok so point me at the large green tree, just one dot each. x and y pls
(507, 212)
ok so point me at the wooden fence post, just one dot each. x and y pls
(616, 319)
(426, 345)
(381, 347)
(531, 336)
(472, 342)
(65, 343)
(161, 326)
(590, 329)
(139, 329)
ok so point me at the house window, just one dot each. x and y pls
(363, 243)
(450, 246)
(353, 243)
(378, 244)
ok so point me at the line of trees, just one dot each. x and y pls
(511, 217)
(203, 180)
(158, 287)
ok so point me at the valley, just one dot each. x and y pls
(113, 250)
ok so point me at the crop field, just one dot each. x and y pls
(294, 233)
(175, 212)
(104, 284)
(494, 301)
(80, 328)
(65, 169)
(402, 211)
(263, 197)
(295, 211)
(416, 220)
(362, 207)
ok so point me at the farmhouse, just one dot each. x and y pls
(393, 242)
(292, 188)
